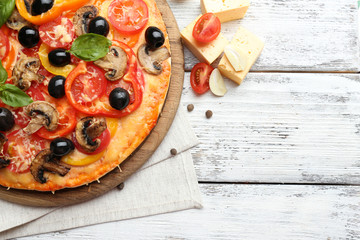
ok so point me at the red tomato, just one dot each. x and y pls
(59, 33)
(128, 16)
(67, 121)
(32, 52)
(21, 149)
(4, 45)
(87, 87)
(133, 81)
(21, 118)
(199, 77)
(207, 28)
(105, 138)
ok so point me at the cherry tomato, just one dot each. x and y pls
(67, 121)
(207, 28)
(128, 16)
(4, 45)
(199, 77)
(105, 138)
(21, 149)
(59, 33)
(89, 86)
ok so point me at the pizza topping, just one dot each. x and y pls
(42, 114)
(56, 87)
(114, 63)
(58, 33)
(4, 163)
(119, 98)
(128, 16)
(61, 146)
(151, 60)
(44, 51)
(3, 140)
(45, 161)
(7, 120)
(99, 25)
(59, 57)
(87, 129)
(82, 18)
(6, 8)
(154, 37)
(38, 7)
(90, 47)
(25, 71)
(28, 37)
(16, 21)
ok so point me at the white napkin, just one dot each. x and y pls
(158, 187)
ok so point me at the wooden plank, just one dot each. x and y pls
(299, 35)
(244, 212)
(279, 127)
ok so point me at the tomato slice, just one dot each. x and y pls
(199, 77)
(4, 45)
(133, 81)
(207, 28)
(21, 149)
(67, 121)
(59, 33)
(89, 86)
(20, 116)
(128, 16)
(105, 138)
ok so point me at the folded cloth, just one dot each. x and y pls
(159, 186)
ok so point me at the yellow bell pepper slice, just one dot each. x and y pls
(43, 55)
(58, 8)
(77, 158)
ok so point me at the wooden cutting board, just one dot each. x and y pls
(139, 157)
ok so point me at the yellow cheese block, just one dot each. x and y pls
(249, 44)
(207, 52)
(225, 10)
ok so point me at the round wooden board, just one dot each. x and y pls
(139, 157)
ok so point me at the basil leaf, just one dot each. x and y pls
(3, 74)
(90, 47)
(13, 96)
(6, 9)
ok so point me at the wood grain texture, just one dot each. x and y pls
(279, 127)
(138, 158)
(299, 35)
(269, 212)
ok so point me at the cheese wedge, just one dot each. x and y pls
(225, 10)
(249, 44)
(207, 52)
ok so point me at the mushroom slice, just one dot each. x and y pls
(25, 71)
(87, 129)
(82, 18)
(114, 63)
(16, 21)
(45, 161)
(42, 114)
(151, 60)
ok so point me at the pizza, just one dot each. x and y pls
(82, 84)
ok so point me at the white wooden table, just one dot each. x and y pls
(280, 158)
